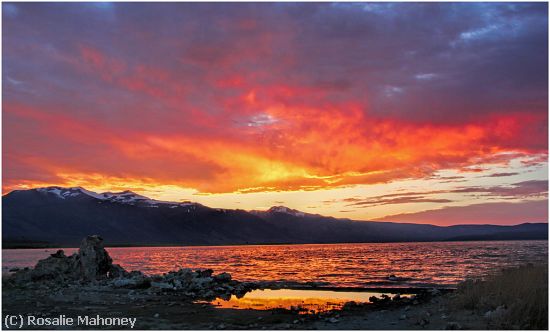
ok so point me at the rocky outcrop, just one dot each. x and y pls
(198, 284)
(95, 262)
(57, 267)
(90, 263)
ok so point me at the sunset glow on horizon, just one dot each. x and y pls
(425, 113)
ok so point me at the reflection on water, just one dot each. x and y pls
(340, 265)
(303, 301)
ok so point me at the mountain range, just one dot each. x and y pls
(57, 216)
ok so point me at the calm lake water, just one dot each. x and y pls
(307, 301)
(339, 265)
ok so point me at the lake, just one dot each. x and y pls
(339, 265)
(305, 301)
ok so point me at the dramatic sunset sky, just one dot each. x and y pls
(428, 113)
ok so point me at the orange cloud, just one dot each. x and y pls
(304, 149)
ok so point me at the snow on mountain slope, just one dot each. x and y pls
(124, 197)
(285, 210)
(68, 192)
(127, 197)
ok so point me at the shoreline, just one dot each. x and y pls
(107, 246)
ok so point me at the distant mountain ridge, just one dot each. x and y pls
(125, 197)
(57, 216)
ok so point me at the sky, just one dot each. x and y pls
(414, 112)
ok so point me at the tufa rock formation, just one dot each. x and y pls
(95, 262)
(90, 263)
(93, 266)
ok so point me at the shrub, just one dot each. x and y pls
(514, 298)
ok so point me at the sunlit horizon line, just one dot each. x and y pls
(80, 179)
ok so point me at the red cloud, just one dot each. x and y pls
(304, 149)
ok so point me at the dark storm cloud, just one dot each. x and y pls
(398, 200)
(524, 189)
(417, 62)
(497, 175)
(533, 189)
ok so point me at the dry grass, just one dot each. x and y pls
(515, 298)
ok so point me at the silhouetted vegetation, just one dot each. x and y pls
(515, 298)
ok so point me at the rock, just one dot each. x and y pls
(90, 264)
(14, 269)
(162, 285)
(94, 260)
(57, 267)
(122, 282)
(202, 282)
(333, 320)
(498, 313)
(453, 326)
(393, 277)
(423, 322)
(156, 315)
(116, 271)
(222, 277)
(184, 272)
(132, 283)
(403, 317)
(58, 254)
(209, 295)
(351, 305)
(434, 292)
(204, 272)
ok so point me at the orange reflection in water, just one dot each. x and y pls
(304, 301)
